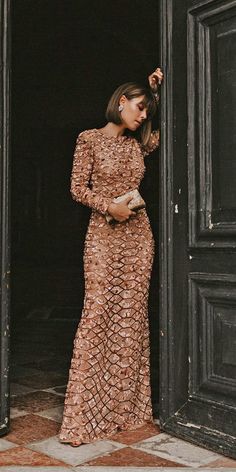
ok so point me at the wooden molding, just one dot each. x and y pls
(4, 212)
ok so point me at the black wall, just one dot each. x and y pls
(67, 58)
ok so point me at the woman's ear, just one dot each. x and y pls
(122, 100)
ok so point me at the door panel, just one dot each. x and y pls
(213, 333)
(211, 73)
(198, 237)
(4, 215)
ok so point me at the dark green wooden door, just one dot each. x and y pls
(198, 236)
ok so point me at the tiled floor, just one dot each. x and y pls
(37, 395)
(32, 443)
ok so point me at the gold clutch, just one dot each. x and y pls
(136, 203)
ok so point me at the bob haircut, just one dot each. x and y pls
(133, 90)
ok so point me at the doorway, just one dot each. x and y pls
(67, 58)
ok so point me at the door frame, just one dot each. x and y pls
(5, 211)
(166, 212)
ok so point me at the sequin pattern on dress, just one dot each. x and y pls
(109, 380)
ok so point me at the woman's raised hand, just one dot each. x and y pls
(155, 79)
(120, 211)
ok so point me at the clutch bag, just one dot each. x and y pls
(136, 203)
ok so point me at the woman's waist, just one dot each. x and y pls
(139, 216)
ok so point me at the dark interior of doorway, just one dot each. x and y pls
(67, 58)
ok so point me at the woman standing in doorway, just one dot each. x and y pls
(109, 379)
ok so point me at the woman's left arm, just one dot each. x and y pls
(155, 80)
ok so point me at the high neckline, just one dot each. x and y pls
(123, 136)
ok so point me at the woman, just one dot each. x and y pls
(109, 385)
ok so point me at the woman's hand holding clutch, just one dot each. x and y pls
(122, 207)
(120, 211)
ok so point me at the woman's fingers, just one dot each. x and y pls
(132, 213)
(157, 76)
(121, 211)
(128, 199)
(155, 79)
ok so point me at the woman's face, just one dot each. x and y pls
(134, 112)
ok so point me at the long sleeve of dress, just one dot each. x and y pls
(81, 190)
(152, 144)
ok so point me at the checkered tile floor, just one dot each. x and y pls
(38, 379)
(36, 409)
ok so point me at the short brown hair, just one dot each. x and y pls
(133, 90)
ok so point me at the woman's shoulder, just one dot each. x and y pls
(88, 135)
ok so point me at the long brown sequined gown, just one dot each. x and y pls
(109, 384)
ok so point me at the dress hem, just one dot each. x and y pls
(128, 427)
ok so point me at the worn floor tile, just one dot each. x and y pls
(36, 401)
(5, 444)
(136, 435)
(24, 456)
(54, 414)
(140, 469)
(31, 428)
(222, 462)
(61, 390)
(175, 449)
(57, 390)
(45, 468)
(130, 457)
(43, 380)
(74, 455)
(15, 413)
(19, 389)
